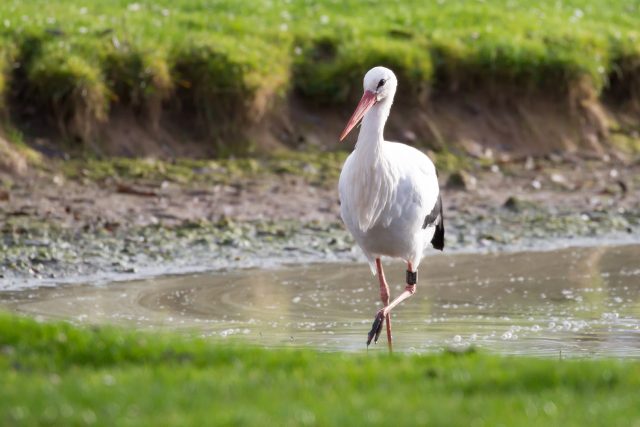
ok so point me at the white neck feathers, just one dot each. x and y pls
(372, 178)
(371, 134)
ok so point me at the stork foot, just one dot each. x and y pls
(376, 328)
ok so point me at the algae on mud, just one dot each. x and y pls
(317, 167)
(104, 217)
(41, 252)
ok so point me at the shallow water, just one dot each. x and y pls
(571, 302)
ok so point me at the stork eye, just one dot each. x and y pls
(381, 83)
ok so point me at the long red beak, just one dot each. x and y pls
(366, 102)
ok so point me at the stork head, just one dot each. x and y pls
(379, 84)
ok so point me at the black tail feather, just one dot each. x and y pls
(438, 237)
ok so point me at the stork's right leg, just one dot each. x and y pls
(384, 297)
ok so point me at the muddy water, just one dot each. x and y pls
(572, 302)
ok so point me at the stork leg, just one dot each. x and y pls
(384, 313)
(384, 297)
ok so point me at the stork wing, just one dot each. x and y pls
(417, 194)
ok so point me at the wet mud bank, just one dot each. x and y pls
(57, 228)
(40, 254)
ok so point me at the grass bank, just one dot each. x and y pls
(215, 68)
(58, 374)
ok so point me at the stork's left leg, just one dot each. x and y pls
(410, 289)
(384, 297)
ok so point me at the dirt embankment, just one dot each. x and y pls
(505, 122)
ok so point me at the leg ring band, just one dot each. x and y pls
(412, 277)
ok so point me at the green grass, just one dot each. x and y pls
(58, 374)
(223, 58)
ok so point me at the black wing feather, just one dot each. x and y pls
(436, 218)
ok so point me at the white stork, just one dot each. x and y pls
(389, 194)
